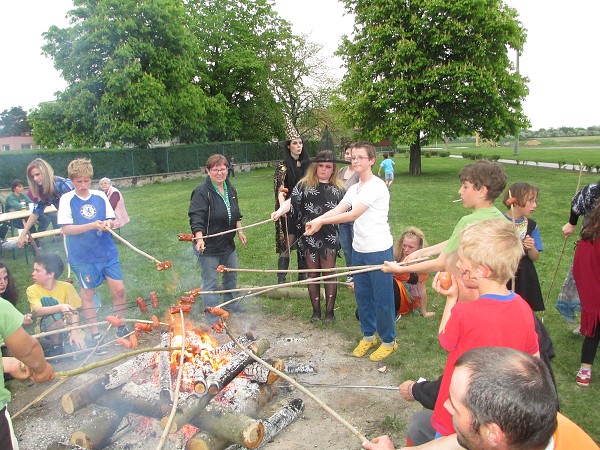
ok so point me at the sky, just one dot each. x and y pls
(559, 56)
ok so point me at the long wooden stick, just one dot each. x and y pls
(132, 247)
(167, 429)
(290, 380)
(327, 270)
(114, 359)
(265, 289)
(234, 230)
(351, 271)
(87, 325)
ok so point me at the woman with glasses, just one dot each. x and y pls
(214, 208)
(367, 204)
(288, 173)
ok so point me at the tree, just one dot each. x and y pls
(244, 46)
(14, 122)
(421, 69)
(129, 65)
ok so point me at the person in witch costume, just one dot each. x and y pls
(288, 173)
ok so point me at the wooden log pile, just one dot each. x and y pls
(219, 403)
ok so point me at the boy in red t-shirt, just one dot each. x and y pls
(488, 256)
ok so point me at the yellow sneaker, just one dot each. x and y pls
(364, 346)
(383, 352)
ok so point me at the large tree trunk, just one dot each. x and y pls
(415, 156)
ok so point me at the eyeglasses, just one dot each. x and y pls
(218, 170)
(360, 158)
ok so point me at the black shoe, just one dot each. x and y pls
(55, 350)
(122, 331)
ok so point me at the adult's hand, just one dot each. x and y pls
(406, 390)
(45, 374)
(312, 227)
(379, 443)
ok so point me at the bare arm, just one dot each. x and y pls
(427, 251)
(28, 350)
(451, 298)
(339, 214)
(433, 265)
(26, 227)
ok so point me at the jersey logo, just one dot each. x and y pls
(88, 211)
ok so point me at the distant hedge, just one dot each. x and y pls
(124, 162)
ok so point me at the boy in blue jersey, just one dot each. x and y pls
(86, 216)
(388, 169)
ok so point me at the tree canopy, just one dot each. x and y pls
(195, 70)
(14, 122)
(420, 69)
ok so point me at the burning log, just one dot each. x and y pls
(278, 421)
(234, 367)
(96, 433)
(117, 376)
(141, 399)
(261, 374)
(195, 405)
(165, 381)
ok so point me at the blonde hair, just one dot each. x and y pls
(409, 232)
(495, 244)
(522, 192)
(46, 189)
(80, 167)
(311, 179)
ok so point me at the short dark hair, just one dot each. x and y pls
(52, 262)
(513, 390)
(216, 160)
(15, 183)
(485, 173)
(370, 148)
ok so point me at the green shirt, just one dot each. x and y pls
(10, 321)
(476, 216)
(13, 202)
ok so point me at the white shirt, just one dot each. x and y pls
(371, 228)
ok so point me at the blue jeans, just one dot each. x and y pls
(374, 293)
(346, 236)
(210, 279)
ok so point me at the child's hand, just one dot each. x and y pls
(528, 242)
(391, 267)
(452, 291)
(67, 309)
(15, 368)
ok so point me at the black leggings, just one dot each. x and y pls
(590, 347)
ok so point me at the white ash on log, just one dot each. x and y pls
(121, 374)
(98, 431)
(230, 346)
(259, 373)
(246, 396)
(278, 421)
(165, 381)
(141, 399)
(234, 367)
(295, 366)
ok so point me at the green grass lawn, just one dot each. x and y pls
(159, 212)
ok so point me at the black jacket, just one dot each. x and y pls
(208, 214)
